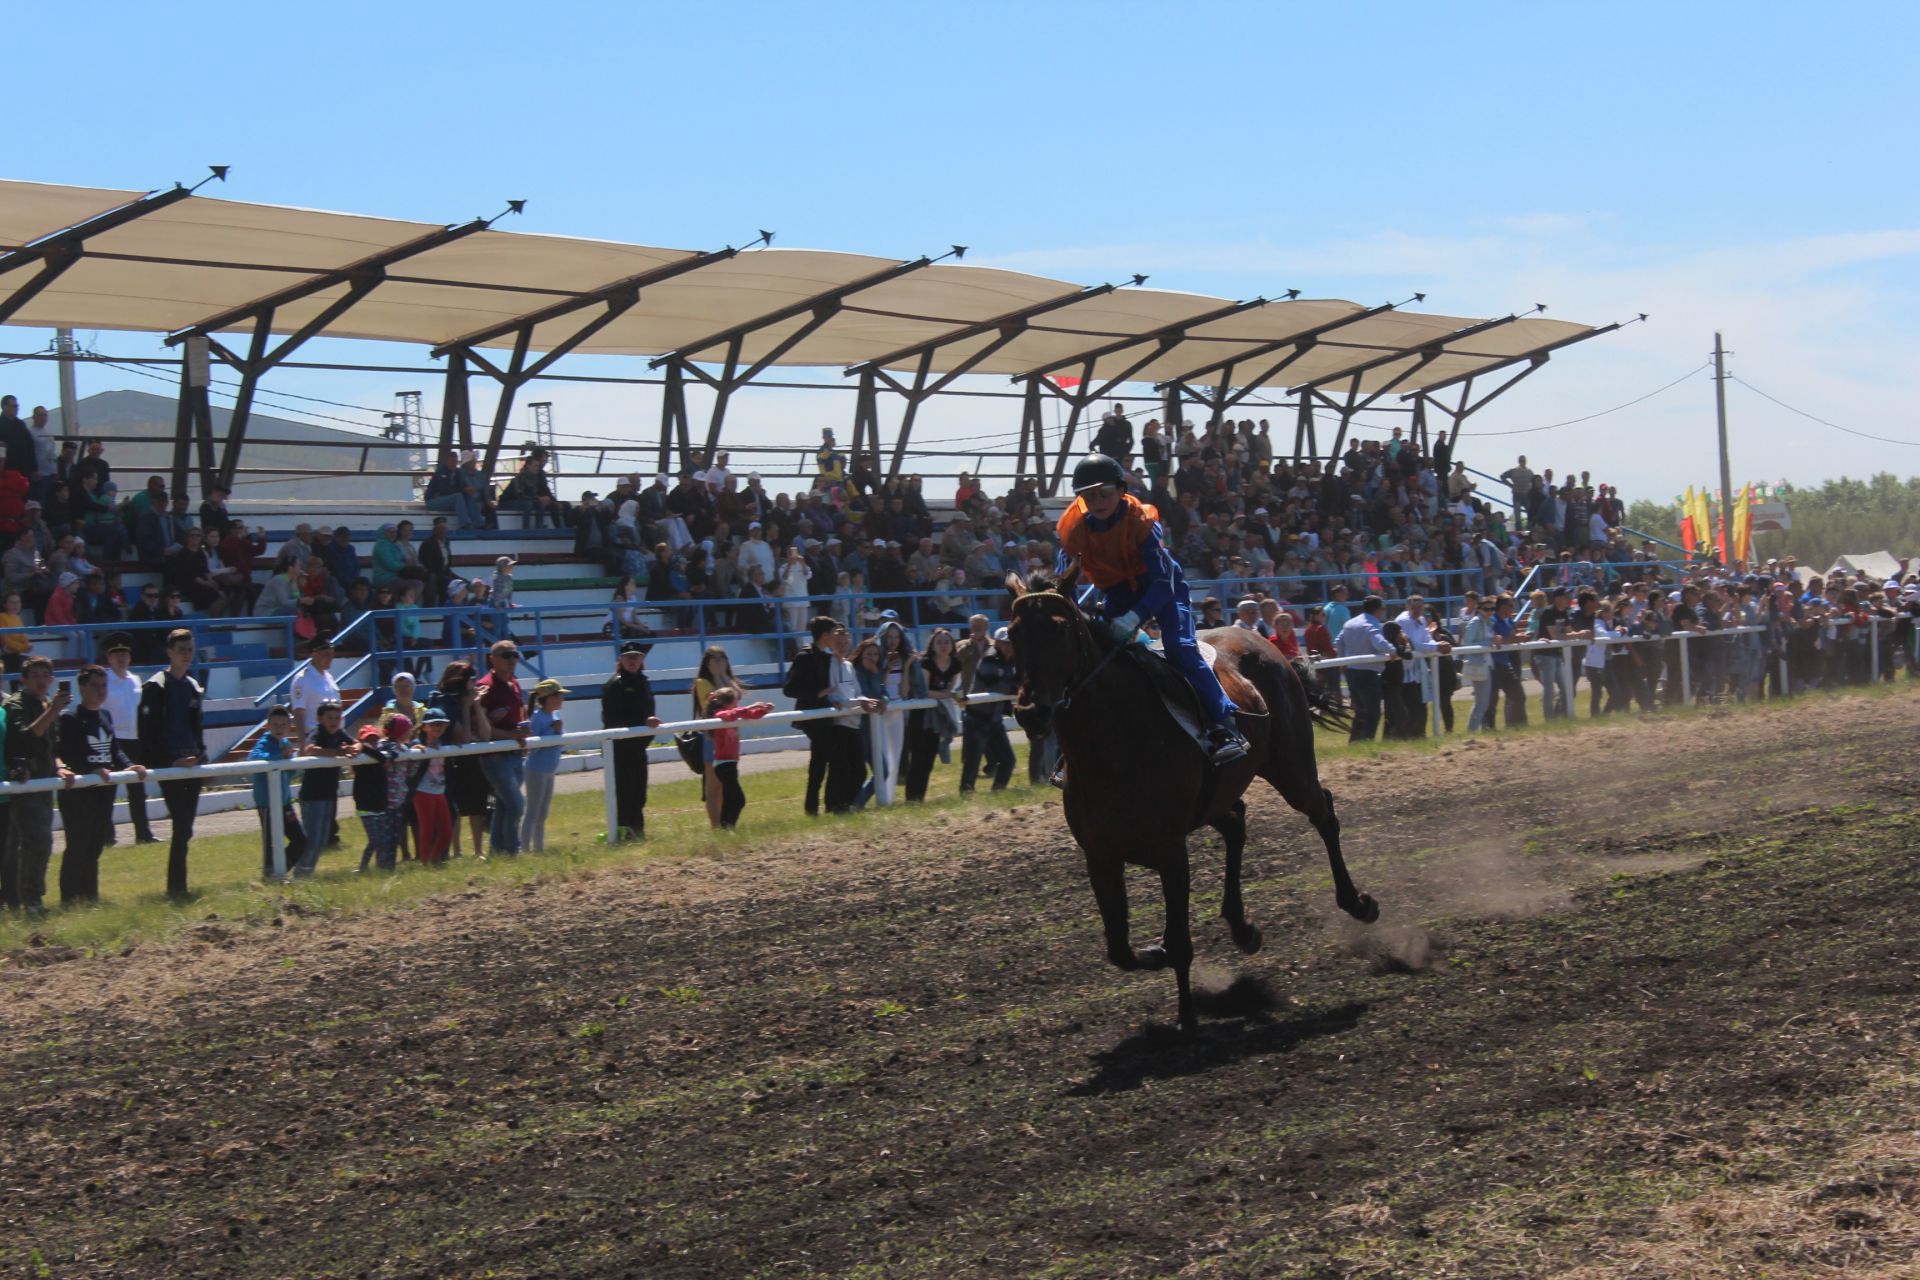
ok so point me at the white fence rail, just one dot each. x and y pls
(603, 739)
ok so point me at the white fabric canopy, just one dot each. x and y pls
(182, 264)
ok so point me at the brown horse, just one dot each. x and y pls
(1137, 785)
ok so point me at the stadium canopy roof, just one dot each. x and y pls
(192, 266)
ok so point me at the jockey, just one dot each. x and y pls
(1117, 540)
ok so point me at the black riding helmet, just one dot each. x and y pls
(1095, 470)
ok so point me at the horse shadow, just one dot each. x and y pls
(1159, 1052)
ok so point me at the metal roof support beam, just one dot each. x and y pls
(1167, 336)
(1295, 343)
(1007, 325)
(735, 373)
(1532, 360)
(602, 293)
(56, 252)
(1428, 351)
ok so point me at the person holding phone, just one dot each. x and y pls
(33, 710)
(171, 737)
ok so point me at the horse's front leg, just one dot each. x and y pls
(1108, 877)
(1360, 906)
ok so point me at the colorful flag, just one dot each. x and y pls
(1689, 536)
(1702, 520)
(1065, 381)
(1743, 526)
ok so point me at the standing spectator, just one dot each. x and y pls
(1549, 667)
(626, 702)
(432, 817)
(1506, 667)
(467, 790)
(22, 454)
(847, 767)
(33, 712)
(436, 560)
(794, 576)
(505, 710)
(715, 672)
(320, 788)
(500, 590)
(809, 676)
(88, 743)
(983, 728)
(543, 764)
(931, 729)
(375, 781)
(1476, 632)
(1362, 638)
(214, 516)
(272, 790)
(725, 799)
(312, 686)
(123, 708)
(1417, 630)
(171, 737)
(46, 447)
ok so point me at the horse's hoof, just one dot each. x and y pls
(1249, 939)
(1151, 957)
(1364, 909)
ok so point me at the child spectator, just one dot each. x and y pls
(271, 789)
(543, 764)
(372, 782)
(433, 819)
(320, 788)
(500, 590)
(725, 801)
(13, 648)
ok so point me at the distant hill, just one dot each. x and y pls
(138, 413)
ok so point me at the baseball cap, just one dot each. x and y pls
(504, 562)
(547, 686)
(435, 715)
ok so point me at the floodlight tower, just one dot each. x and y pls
(543, 432)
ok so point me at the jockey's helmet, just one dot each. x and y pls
(1095, 470)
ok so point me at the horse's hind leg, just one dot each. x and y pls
(1177, 937)
(1232, 827)
(1316, 802)
(1359, 905)
(1108, 877)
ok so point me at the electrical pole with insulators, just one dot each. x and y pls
(543, 433)
(1726, 465)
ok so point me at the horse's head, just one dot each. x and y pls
(1052, 646)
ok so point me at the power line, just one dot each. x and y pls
(1865, 435)
(1522, 431)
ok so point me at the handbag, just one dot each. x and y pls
(693, 752)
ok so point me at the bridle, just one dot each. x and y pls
(1083, 640)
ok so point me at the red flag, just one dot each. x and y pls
(1065, 380)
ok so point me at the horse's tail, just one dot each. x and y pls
(1327, 708)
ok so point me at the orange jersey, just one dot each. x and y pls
(1112, 556)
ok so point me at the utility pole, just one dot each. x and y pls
(69, 399)
(1726, 466)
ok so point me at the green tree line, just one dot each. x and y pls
(1836, 518)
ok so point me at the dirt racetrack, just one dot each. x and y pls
(1641, 1002)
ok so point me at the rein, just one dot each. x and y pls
(1082, 636)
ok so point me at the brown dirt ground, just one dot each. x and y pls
(1639, 1003)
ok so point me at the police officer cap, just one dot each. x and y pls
(1097, 469)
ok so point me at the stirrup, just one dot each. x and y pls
(1058, 777)
(1225, 745)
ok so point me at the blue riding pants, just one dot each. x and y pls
(1182, 650)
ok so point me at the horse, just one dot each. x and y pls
(1137, 785)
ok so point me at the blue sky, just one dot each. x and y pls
(1743, 167)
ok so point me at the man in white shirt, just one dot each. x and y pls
(123, 708)
(1361, 637)
(46, 446)
(1413, 625)
(313, 685)
(1246, 615)
(756, 552)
